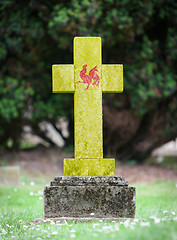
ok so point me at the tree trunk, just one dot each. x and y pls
(127, 136)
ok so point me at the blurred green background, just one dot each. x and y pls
(139, 34)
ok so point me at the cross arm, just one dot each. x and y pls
(63, 78)
(112, 78)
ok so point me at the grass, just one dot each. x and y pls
(156, 205)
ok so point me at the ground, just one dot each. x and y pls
(49, 162)
(156, 209)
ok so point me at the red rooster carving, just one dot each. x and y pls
(88, 78)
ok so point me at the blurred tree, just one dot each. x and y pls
(34, 34)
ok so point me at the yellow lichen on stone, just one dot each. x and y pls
(63, 78)
(112, 78)
(87, 102)
(87, 79)
(89, 167)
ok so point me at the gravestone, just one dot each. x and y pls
(88, 188)
(9, 175)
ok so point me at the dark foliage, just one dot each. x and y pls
(140, 34)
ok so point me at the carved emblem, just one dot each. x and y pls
(91, 76)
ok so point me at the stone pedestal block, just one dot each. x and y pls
(98, 197)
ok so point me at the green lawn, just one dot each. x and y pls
(156, 205)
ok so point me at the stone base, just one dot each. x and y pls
(89, 167)
(89, 197)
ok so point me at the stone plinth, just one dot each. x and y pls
(98, 197)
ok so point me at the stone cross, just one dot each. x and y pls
(88, 78)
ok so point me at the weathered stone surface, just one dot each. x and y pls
(9, 175)
(103, 197)
(85, 181)
(89, 167)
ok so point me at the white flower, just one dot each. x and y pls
(40, 193)
(126, 223)
(3, 231)
(92, 214)
(105, 228)
(173, 213)
(116, 227)
(156, 220)
(72, 230)
(31, 193)
(95, 224)
(32, 183)
(8, 197)
(40, 198)
(145, 224)
(73, 235)
(165, 211)
(136, 220)
(54, 233)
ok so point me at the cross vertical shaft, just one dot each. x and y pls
(87, 103)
